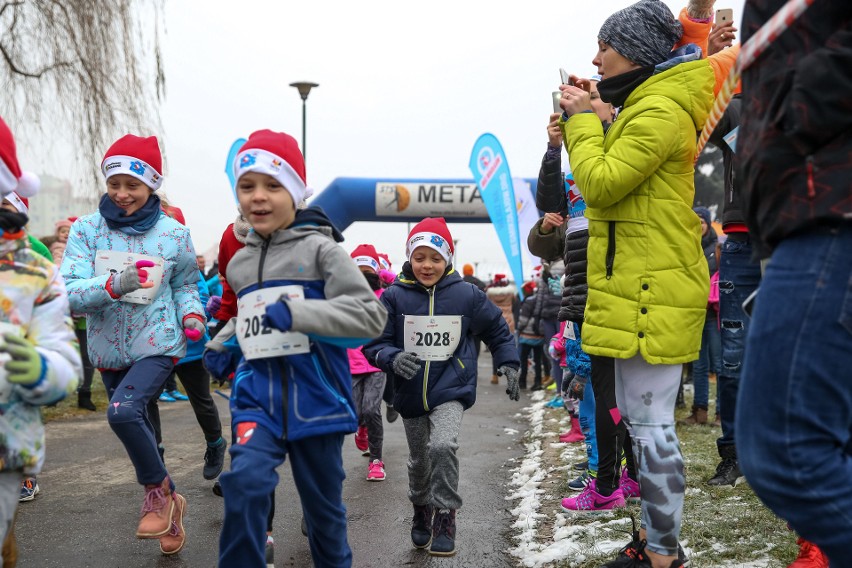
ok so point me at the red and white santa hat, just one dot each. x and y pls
(384, 261)
(366, 255)
(22, 204)
(431, 232)
(277, 155)
(12, 179)
(135, 156)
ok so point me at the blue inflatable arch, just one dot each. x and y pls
(347, 200)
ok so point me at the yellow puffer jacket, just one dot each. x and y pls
(647, 273)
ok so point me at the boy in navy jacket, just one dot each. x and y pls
(301, 302)
(427, 348)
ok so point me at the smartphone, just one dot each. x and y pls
(565, 78)
(724, 17)
(748, 304)
(557, 96)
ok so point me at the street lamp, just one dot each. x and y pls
(304, 88)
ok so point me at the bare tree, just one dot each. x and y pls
(85, 69)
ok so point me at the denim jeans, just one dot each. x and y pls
(794, 420)
(739, 276)
(551, 365)
(709, 360)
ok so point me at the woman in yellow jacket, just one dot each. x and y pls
(647, 273)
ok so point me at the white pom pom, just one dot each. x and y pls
(28, 184)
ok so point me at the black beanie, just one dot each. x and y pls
(644, 32)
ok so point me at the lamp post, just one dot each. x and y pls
(304, 88)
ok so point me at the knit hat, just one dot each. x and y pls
(366, 255)
(12, 179)
(22, 204)
(704, 213)
(644, 32)
(65, 223)
(135, 156)
(384, 261)
(431, 232)
(467, 270)
(277, 155)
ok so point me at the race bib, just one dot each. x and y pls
(569, 332)
(258, 341)
(111, 261)
(432, 338)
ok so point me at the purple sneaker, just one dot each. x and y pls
(591, 502)
(630, 488)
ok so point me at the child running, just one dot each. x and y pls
(368, 382)
(427, 348)
(39, 362)
(301, 302)
(131, 270)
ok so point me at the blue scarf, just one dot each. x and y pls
(137, 223)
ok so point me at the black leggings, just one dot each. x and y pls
(88, 369)
(537, 353)
(195, 380)
(612, 438)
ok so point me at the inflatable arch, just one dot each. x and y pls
(347, 200)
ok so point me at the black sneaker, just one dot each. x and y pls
(443, 533)
(581, 466)
(727, 474)
(214, 459)
(217, 488)
(391, 413)
(633, 556)
(421, 526)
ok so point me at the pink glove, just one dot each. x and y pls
(193, 327)
(141, 265)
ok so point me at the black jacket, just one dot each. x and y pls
(551, 198)
(732, 208)
(795, 141)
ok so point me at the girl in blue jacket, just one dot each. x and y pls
(427, 349)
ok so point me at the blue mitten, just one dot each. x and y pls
(278, 316)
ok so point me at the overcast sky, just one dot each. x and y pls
(405, 90)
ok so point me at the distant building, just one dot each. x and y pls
(56, 200)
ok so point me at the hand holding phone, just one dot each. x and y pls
(565, 77)
(724, 17)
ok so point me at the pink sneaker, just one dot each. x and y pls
(574, 435)
(361, 441)
(376, 471)
(591, 502)
(629, 488)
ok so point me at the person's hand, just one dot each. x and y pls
(132, 278)
(219, 364)
(213, 305)
(554, 132)
(721, 37)
(551, 221)
(193, 327)
(576, 98)
(513, 389)
(278, 316)
(26, 365)
(577, 387)
(406, 365)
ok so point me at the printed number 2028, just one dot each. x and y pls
(432, 338)
(254, 327)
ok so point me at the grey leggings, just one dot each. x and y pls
(433, 467)
(367, 390)
(646, 400)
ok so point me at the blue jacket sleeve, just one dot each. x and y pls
(86, 292)
(184, 280)
(381, 351)
(488, 323)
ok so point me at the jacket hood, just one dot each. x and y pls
(315, 216)
(685, 80)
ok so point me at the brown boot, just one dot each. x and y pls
(157, 510)
(172, 542)
(494, 379)
(717, 421)
(698, 416)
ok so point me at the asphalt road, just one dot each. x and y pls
(86, 513)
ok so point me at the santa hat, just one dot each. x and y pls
(12, 179)
(501, 280)
(384, 261)
(135, 156)
(366, 255)
(277, 155)
(22, 204)
(528, 287)
(431, 232)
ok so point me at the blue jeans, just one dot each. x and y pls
(129, 391)
(709, 360)
(317, 465)
(587, 425)
(794, 422)
(551, 365)
(739, 276)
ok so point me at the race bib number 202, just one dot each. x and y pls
(258, 341)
